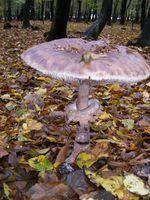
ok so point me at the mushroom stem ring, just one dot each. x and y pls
(83, 110)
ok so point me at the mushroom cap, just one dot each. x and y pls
(63, 59)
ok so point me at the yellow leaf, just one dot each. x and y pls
(41, 91)
(115, 87)
(7, 190)
(32, 124)
(113, 184)
(42, 78)
(104, 115)
(51, 139)
(85, 160)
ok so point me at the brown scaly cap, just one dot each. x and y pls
(66, 59)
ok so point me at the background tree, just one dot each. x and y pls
(115, 11)
(79, 9)
(26, 14)
(9, 13)
(59, 23)
(52, 8)
(32, 9)
(95, 29)
(109, 14)
(123, 11)
(144, 38)
(143, 13)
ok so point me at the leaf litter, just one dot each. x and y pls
(34, 145)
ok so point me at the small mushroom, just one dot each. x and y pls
(84, 61)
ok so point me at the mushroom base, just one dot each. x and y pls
(83, 111)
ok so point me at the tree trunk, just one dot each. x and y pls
(48, 10)
(21, 14)
(79, 10)
(144, 38)
(143, 14)
(115, 14)
(32, 8)
(89, 14)
(52, 9)
(95, 11)
(59, 23)
(26, 14)
(72, 10)
(137, 12)
(17, 13)
(123, 12)
(95, 29)
(5, 14)
(9, 16)
(109, 14)
(42, 10)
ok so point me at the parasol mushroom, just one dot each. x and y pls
(81, 60)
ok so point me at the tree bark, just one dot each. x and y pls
(9, 16)
(95, 11)
(52, 8)
(115, 14)
(109, 14)
(137, 12)
(123, 12)
(32, 8)
(79, 10)
(26, 14)
(48, 10)
(59, 23)
(95, 29)
(5, 15)
(72, 10)
(144, 38)
(143, 14)
(42, 10)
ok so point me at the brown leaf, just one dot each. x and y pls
(3, 152)
(62, 154)
(43, 191)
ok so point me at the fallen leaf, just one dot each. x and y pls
(32, 124)
(45, 191)
(104, 115)
(3, 152)
(128, 123)
(135, 184)
(85, 160)
(41, 91)
(114, 184)
(7, 190)
(40, 163)
(10, 105)
(115, 87)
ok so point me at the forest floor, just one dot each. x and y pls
(33, 145)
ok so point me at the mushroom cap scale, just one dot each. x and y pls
(63, 59)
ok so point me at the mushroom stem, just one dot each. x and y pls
(82, 140)
(83, 95)
(82, 135)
